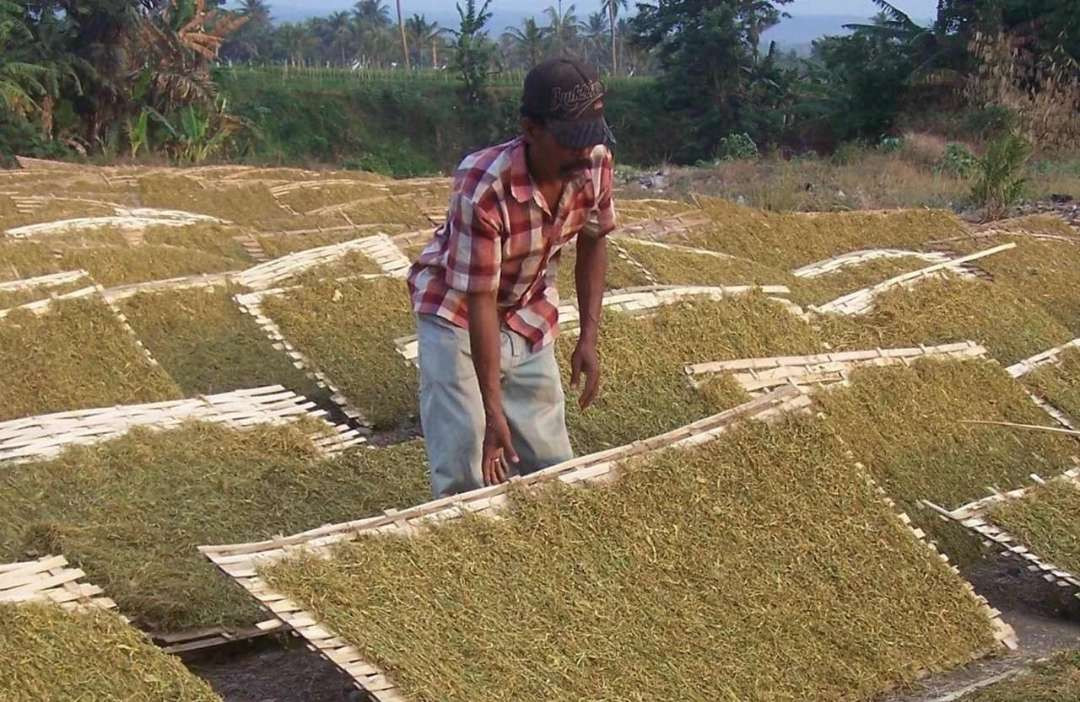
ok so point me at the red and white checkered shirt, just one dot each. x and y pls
(499, 235)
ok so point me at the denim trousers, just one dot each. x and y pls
(452, 410)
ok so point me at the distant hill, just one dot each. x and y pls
(800, 31)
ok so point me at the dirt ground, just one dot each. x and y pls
(1046, 619)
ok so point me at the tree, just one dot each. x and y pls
(473, 49)
(19, 80)
(594, 30)
(612, 8)
(527, 40)
(561, 29)
(404, 41)
(423, 33)
(705, 50)
(372, 13)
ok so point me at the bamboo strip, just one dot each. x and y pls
(862, 301)
(854, 258)
(1050, 357)
(41, 437)
(974, 517)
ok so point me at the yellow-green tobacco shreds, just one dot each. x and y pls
(943, 310)
(348, 329)
(621, 273)
(119, 265)
(826, 288)
(75, 356)
(791, 240)
(644, 389)
(905, 425)
(1059, 383)
(203, 340)
(1056, 680)
(26, 259)
(698, 575)
(240, 202)
(216, 239)
(55, 656)
(674, 267)
(22, 296)
(1044, 520)
(1042, 272)
(132, 511)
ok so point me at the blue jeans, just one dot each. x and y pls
(452, 411)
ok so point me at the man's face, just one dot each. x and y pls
(567, 162)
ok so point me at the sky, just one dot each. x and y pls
(509, 12)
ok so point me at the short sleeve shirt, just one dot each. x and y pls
(499, 236)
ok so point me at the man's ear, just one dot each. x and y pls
(528, 129)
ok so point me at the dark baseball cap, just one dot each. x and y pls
(568, 97)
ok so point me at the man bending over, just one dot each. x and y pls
(491, 399)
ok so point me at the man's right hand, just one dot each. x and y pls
(498, 449)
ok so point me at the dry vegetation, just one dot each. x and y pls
(131, 512)
(347, 329)
(203, 340)
(706, 559)
(1044, 520)
(55, 656)
(75, 356)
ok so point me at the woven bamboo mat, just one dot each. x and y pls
(1046, 358)
(636, 301)
(251, 303)
(856, 258)
(44, 282)
(975, 518)
(380, 248)
(242, 561)
(40, 437)
(758, 375)
(50, 579)
(862, 301)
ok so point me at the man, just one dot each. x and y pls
(491, 400)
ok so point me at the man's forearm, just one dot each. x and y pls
(485, 347)
(589, 274)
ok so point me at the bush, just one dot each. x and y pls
(958, 161)
(1000, 182)
(989, 121)
(736, 147)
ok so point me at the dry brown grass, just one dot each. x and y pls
(1059, 383)
(699, 574)
(1056, 680)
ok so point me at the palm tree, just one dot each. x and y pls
(562, 26)
(372, 13)
(18, 79)
(340, 36)
(257, 10)
(423, 32)
(594, 29)
(528, 40)
(404, 41)
(612, 8)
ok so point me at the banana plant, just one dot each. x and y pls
(138, 130)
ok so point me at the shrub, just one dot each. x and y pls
(735, 147)
(958, 161)
(1000, 182)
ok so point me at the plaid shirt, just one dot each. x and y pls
(499, 236)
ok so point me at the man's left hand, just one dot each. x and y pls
(585, 361)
